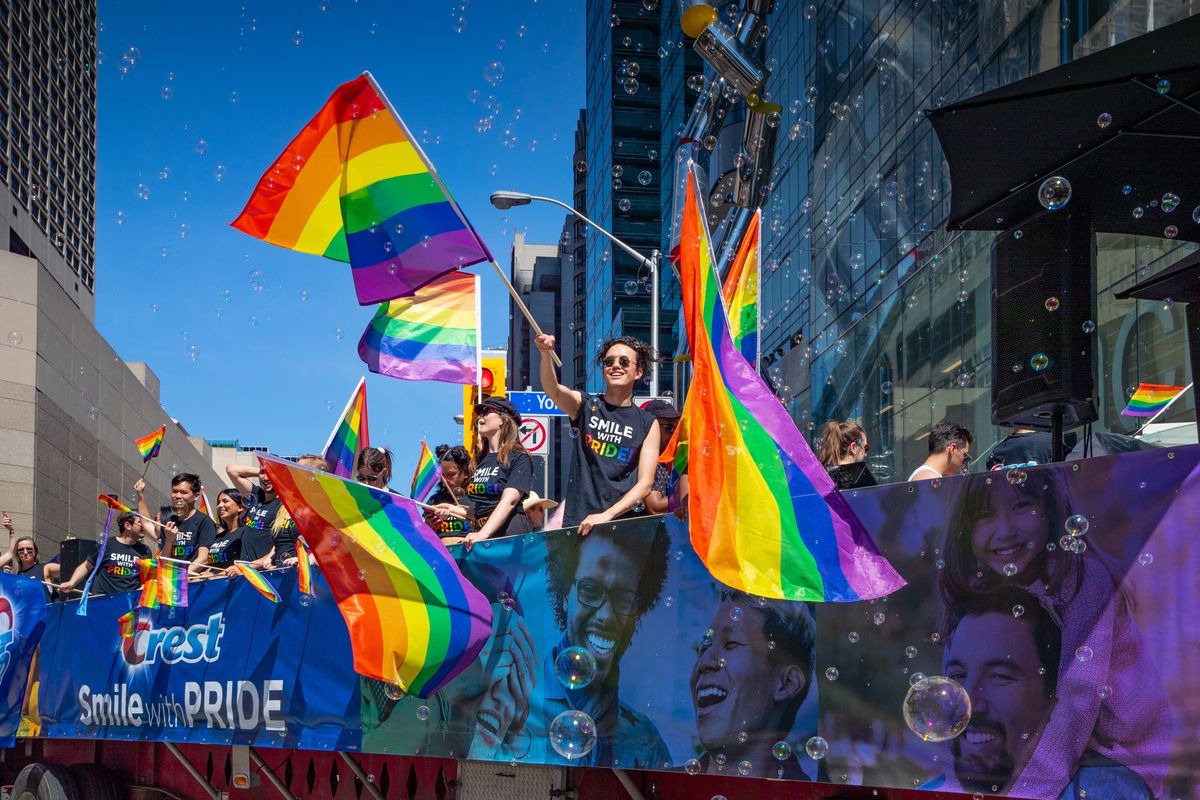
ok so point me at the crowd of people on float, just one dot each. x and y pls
(615, 445)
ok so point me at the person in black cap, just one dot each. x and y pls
(615, 442)
(668, 418)
(502, 477)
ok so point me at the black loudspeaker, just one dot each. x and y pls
(1043, 312)
(73, 553)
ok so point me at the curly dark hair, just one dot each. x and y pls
(651, 551)
(645, 353)
(456, 453)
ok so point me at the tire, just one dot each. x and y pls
(57, 784)
(94, 782)
(28, 779)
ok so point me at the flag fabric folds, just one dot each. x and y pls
(112, 502)
(1151, 398)
(414, 620)
(257, 580)
(304, 568)
(149, 596)
(426, 475)
(355, 186)
(431, 336)
(172, 582)
(350, 435)
(741, 290)
(204, 508)
(149, 445)
(765, 517)
(128, 623)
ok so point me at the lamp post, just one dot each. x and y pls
(505, 200)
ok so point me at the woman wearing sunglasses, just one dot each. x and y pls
(843, 452)
(502, 477)
(615, 442)
(21, 558)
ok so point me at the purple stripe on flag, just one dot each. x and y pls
(444, 371)
(416, 266)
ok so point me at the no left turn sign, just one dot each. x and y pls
(532, 434)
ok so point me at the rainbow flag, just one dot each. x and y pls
(431, 336)
(355, 186)
(172, 582)
(128, 623)
(149, 596)
(350, 435)
(303, 569)
(203, 507)
(414, 620)
(112, 502)
(426, 476)
(765, 516)
(258, 581)
(1151, 398)
(741, 290)
(151, 443)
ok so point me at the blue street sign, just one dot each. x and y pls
(534, 403)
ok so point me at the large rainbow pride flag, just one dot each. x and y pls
(765, 516)
(433, 335)
(355, 186)
(741, 290)
(350, 435)
(414, 620)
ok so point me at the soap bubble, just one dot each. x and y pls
(1146, 559)
(1018, 610)
(575, 667)
(572, 734)
(1170, 202)
(832, 673)
(1083, 654)
(423, 713)
(15, 337)
(937, 709)
(910, 652)
(691, 766)
(258, 280)
(631, 85)
(624, 204)
(1010, 569)
(879, 618)
(853, 637)
(1039, 362)
(298, 37)
(1089, 326)
(1054, 193)
(1051, 304)
(1104, 120)
(744, 768)
(781, 750)
(1138, 212)
(201, 146)
(644, 177)
(394, 690)
(119, 217)
(1196, 215)
(631, 287)
(735, 613)
(1170, 231)
(305, 600)
(494, 73)
(1163, 86)
(1077, 525)
(817, 748)
(338, 334)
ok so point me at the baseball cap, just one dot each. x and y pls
(661, 409)
(534, 501)
(501, 404)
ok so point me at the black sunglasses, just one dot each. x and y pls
(369, 479)
(593, 595)
(624, 361)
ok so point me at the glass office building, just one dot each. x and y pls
(871, 310)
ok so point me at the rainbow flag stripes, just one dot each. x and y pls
(128, 623)
(304, 568)
(741, 290)
(1151, 398)
(112, 502)
(350, 435)
(414, 620)
(426, 476)
(355, 186)
(258, 581)
(172, 583)
(431, 336)
(765, 516)
(149, 445)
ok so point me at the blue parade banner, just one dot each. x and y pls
(22, 620)
(230, 668)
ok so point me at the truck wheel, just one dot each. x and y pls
(56, 784)
(28, 779)
(95, 782)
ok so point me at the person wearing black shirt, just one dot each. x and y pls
(615, 443)
(282, 547)
(668, 418)
(1026, 447)
(262, 503)
(843, 453)
(502, 477)
(119, 570)
(21, 558)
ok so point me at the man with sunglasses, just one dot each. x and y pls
(615, 442)
(949, 452)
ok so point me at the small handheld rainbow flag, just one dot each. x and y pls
(304, 568)
(414, 620)
(128, 623)
(741, 290)
(258, 581)
(431, 336)
(151, 443)
(350, 434)
(149, 596)
(112, 502)
(355, 186)
(1151, 398)
(203, 507)
(172, 583)
(426, 476)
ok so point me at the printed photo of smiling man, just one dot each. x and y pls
(753, 672)
(600, 586)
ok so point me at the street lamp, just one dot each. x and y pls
(504, 200)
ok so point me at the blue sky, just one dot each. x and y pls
(193, 92)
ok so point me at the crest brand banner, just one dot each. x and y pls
(1060, 598)
(22, 619)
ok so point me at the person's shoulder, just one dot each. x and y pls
(1100, 776)
(143, 549)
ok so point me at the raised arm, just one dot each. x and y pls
(7, 557)
(240, 476)
(568, 400)
(143, 507)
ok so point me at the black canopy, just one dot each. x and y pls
(1002, 144)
